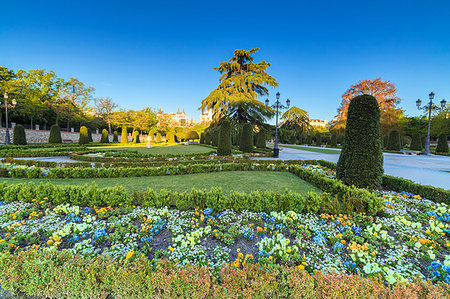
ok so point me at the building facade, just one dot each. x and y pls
(318, 123)
(179, 119)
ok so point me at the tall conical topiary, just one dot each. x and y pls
(442, 145)
(90, 135)
(84, 135)
(104, 138)
(416, 142)
(261, 139)
(124, 136)
(19, 137)
(361, 159)
(394, 142)
(55, 134)
(208, 138)
(224, 144)
(202, 138)
(385, 141)
(158, 137)
(333, 140)
(136, 137)
(115, 137)
(247, 138)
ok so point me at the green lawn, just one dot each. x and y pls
(245, 181)
(313, 149)
(178, 149)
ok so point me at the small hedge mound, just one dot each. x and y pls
(261, 139)
(247, 138)
(55, 134)
(84, 135)
(224, 144)
(124, 136)
(394, 141)
(361, 160)
(115, 137)
(104, 138)
(442, 145)
(416, 142)
(19, 137)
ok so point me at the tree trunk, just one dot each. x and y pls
(68, 125)
(57, 119)
(31, 124)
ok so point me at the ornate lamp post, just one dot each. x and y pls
(429, 107)
(277, 106)
(7, 139)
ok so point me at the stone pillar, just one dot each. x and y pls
(13, 125)
(72, 130)
(37, 127)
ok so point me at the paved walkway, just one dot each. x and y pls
(426, 170)
(57, 159)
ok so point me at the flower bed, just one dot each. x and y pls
(408, 240)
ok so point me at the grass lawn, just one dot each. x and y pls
(178, 149)
(244, 181)
(313, 149)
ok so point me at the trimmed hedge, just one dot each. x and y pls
(224, 144)
(416, 142)
(361, 159)
(55, 134)
(442, 145)
(136, 137)
(192, 135)
(246, 144)
(170, 137)
(394, 141)
(215, 136)
(115, 137)
(84, 135)
(104, 138)
(333, 140)
(124, 135)
(19, 137)
(261, 139)
(158, 137)
(90, 135)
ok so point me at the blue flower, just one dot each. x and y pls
(207, 211)
(447, 279)
(263, 236)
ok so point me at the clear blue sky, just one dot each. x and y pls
(161, 53)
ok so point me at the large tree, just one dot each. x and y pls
(296, 119)
(241, 82)
(104, 107)
(386, 95)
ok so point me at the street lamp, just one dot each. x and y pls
(7, 139)
(429, 107)
(277, 106)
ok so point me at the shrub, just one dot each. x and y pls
(215, 136)
(385, 141)
(208, 138)
(136, 137)
(55, 135)
(247, 138)
(442, 145)
(158, 137)
(192, 135)
(224, 144)
(124, 136)
(90, 135)
(115, 137)
(261, 139)
(319, 139)
(333, 140)
(84, 135)
(361, 159)
(394, 142)
(416, 142)
(19, 137)
(105, 138)
(170, 137)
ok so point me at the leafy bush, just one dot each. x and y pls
(136, 137)
(361, 160)
(158, 137)
(261, 139)
(90, 135)
(55, 134)
(224, 144)
(104, 138)
(124, 136)
(19, 137)
(84, 135)
(192, 135)
(208, 138)
(416, 142)
(170, 137)
(202, 138)
(333, 140)
(247, 138)
(215, 136)
(394, 142)
(115, 137)
(442, 145)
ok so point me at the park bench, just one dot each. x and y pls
(408, 152)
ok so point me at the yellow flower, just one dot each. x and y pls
(171, 248)
(129, 254)
(270, 257)
(343, 241)
(238, 250)
(301, 267)
(288, 250)
(2, 240)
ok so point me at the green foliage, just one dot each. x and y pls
(261, 139)
(158, 137)
(90, 135)
(170, 137)
(385, 141)
(215, 136)
(224, 144)
(124, 136)
(84, 135)
(361, 160)
(394, 142)
(319, 139)
(19, 137)
(192, 135)
(136, 137)
(115, 137)
(202, 138)
(442, 145)
(247, 138)
(416, 142)
(55, 134)
(333, 140)
(208, 138)
(104, 138)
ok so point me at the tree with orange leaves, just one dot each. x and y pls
(384, 92)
